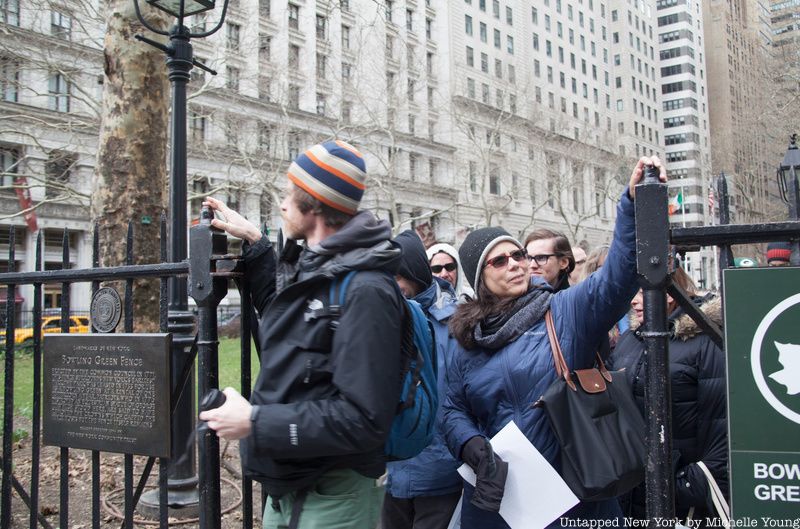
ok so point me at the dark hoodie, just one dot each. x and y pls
(325, 400)
(699, 432)
(414, 263)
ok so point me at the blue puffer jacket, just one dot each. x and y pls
(489, 388)
(434, 471)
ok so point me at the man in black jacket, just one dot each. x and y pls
(314, 430)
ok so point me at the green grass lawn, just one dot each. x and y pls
(229, 370)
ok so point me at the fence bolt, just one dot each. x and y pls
(655, 260)
(200, 285)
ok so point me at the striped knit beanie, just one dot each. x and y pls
(779, 252)
(333, 172)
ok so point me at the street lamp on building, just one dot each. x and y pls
(788, 173)
(183, 490)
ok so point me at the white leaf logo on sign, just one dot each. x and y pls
(789, 357)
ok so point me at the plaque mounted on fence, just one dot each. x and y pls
(108, 392)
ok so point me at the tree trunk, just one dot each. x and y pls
(131, 170)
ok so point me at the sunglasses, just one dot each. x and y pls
(437, 269)
(502, 260)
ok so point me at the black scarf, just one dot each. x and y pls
(500, 329)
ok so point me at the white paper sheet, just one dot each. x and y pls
(535, 494)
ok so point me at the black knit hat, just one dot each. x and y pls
(414, 261)
(779, 252)
(476, 247)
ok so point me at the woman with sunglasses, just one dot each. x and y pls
(504, 362)
(445, 264)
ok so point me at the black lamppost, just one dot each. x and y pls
(788, 173)
(183, 491)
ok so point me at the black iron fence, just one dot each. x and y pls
(204, 349)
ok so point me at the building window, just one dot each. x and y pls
(412, 166)
(484, 63)
(9, 79)
(345, 5)
(346, 73)
(472, 172)
(428, 28)
(497, 39)
(232, 128)
(60, 24)
(294, 97)
(468, 25)
(197, 126)
(485, 93)
(234, 33)
(510, 44)
(412, 124)
(9, 166)
(471, 88)
(512, 74)
(494, 182)
(321, 65)
(347, 108)
(264, 8)
(509, 16)
(388, 7)
(9, 12)
(294, 56)
(232, 78)
(321, 104)
(321, 27)
(345, 37)
(409, 20)
(483, 32)
(59, 90)
(496, 8)
(294, 16)
(411, 88)
(292, 145)
(432, 170)
(389, 47)
(264, 48)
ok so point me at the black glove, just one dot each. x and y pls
(490, 470)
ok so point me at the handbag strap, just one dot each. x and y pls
(723, 510)
(558, 357)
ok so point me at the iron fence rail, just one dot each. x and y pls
(133, 488)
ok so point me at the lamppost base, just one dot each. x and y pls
(183, 500)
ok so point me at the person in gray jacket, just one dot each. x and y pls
(314, 430)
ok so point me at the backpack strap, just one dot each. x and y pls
(335, 304)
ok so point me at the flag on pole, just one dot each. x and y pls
(675, 203)
(711, 199)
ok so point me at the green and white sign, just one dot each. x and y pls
(762, 337)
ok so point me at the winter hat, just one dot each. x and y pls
(333, 172)
(779, 252)
(413, 262)
(461, 287)
(476, 247)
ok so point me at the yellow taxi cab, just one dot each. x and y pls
(50, 324)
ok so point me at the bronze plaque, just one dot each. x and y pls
(107, 392)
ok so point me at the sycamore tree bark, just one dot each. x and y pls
(131, 171)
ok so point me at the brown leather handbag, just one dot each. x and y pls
(598, 425)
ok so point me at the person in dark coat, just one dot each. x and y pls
(314, 430)
(504, 362)
(697, 377)
(422, 492)
(550, 257)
